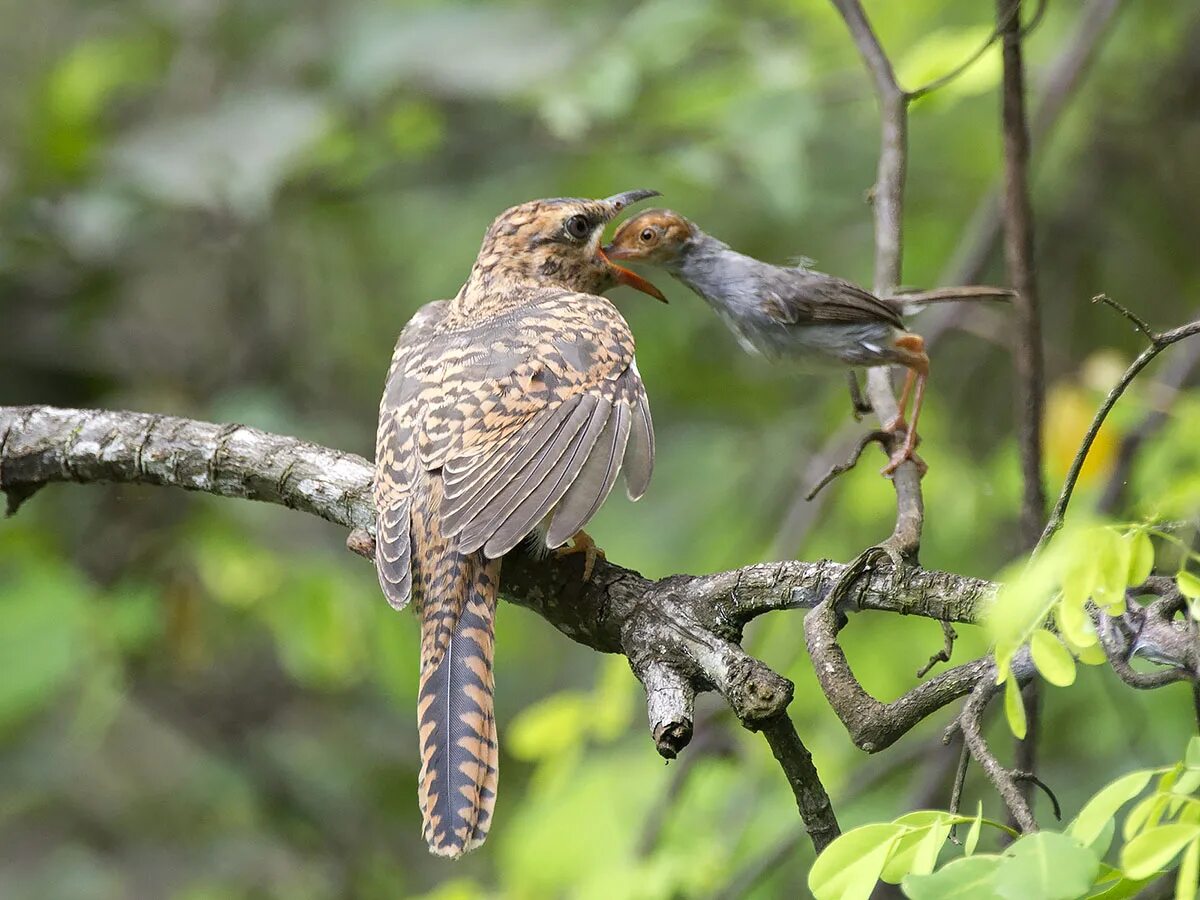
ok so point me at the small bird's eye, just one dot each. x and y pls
(647, 235)
(578, 227)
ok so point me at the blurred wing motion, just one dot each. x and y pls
(484, 433)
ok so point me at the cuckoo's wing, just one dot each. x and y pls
(800, 296)
(526, 404)
(395, 455)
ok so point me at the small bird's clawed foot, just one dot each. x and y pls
(906, 453)
(582, 543)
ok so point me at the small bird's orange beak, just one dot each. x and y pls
(632, 279)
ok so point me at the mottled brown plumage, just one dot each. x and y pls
(508, 408)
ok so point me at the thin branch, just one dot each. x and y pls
(1019, 256)
(960, 781)
(1160, 342)
(1138, 322)
(970, 259)
(850, 462)
(1163, 391)
(1002, 780)
(811, 798)
(949, 635)
(1013, 13)
(888, 201)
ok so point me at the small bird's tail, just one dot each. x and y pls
(455, 715)
(912, 302)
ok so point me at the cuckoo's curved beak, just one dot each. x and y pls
(618, 202)
(632, 279)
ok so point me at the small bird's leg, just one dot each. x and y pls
(582, 543)
(859, 405)
(907, 450)
(897, 423)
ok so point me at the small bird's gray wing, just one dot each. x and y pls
(395, 455)
(800, 296)
(526, 412)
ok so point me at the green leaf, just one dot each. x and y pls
(972, 840)
(1074, 622)
(1103, 840)
(930, 848)
(1141, 557)
(1189, 584)
(1189, 873)
(1088, 825)
(969, 878)
(1122, 889)
(1145, 814)
(1014, 706)
(1048, 866)
(1191, 758)
(1112, 555)
(849, 868)
(1153, 849)
(1052, 659)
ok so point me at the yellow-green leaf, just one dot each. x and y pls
(1189, 584)
(1090, 822)
(1074, 622)
(1189, 873)
(1141, 557)
(1014, 706)
(849, 868)
(1052, 659)
(1153, 849)
(972, 840)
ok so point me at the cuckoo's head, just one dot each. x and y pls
(658, 236)
(556, 243)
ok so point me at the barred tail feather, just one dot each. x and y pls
(455, 718)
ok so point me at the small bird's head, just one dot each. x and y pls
(658, 236)
(556, 243)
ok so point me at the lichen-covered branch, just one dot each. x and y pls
(682, 633)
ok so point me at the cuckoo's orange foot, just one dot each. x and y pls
(582, 543)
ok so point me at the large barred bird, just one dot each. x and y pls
(508, 409)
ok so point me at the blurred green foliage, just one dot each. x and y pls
(228, 210)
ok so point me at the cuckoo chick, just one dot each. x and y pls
(508, 410)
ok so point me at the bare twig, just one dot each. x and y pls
(1159, 342)
(851, 461)
(1013, 14)
(1020, 775)
(811, 798)
(1026, 748)
(960, 781)
(1018, 253)
(1164, 390)
(1002, 780)
(970, 259)
(888, 200)
(948, 635)
(1138, 322)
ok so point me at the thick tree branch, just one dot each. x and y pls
(681, 633)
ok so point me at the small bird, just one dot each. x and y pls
(784, 312)
(508, 409)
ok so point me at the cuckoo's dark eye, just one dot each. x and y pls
(578, 227)
(647, 235)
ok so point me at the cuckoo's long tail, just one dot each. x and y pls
(455, 718)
